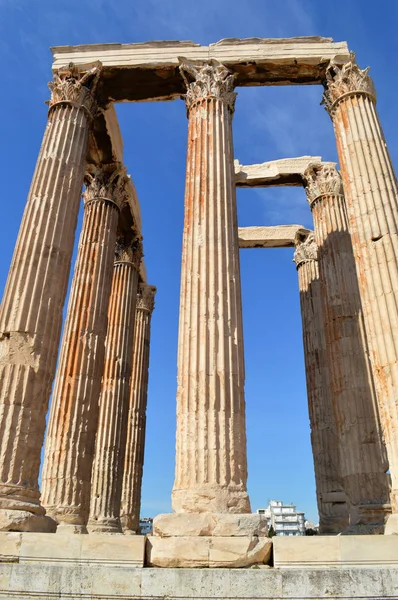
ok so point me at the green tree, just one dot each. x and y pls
(271, 532)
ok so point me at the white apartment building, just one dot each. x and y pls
(146, 525)
(284, 518)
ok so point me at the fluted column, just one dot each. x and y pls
(372, 205)
(74, 410)
(332, 507)
(363, 461)
(31, 310)
(135, 444)
(211, 466)
(110, 444)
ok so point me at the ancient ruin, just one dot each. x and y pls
(347, 276)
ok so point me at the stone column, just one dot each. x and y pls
(74, 410)
(371, 195)
(31, 311)
(211, 469)
(332, 507)
(363, 461)
(134, 456)
(110, 445)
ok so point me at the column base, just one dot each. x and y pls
(74, 528)
(335, 522)
(105, 525)
(210, 524)
(68, 520)
(208, 540)
(368, 519)
(211, 498)
(207, 551)
(22, 520)
(392, 525)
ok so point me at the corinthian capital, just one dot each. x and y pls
(130, 251)
(306, 249)
(106, 183)
(346, 80)
(322, 179)
(207, 80)
(146, 297)
(72, 86)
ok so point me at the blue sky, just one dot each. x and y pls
(269, 123)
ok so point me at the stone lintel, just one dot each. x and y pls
(106, 146)
(278, 236)
(285, 171)
(149, 71)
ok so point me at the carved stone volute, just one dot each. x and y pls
(72, 86)
(207, 80)
(346, 80)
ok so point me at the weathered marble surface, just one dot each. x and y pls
(149, 71)
(278, 236)
(136, 418)
(211, 463)
(285, 171)
(371, 193)
(110, 442)
(332, 506)
(363, 460)
(34, 295)
(207, 551)
(336, 551)
(95, 582)
(74, 409)
(210, 524)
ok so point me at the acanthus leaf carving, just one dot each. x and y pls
(306, 249)
(130, 251)
(146, 297)
(346, 80)
(322, 179)
(73, 86)
(106, 182)
(207, 80)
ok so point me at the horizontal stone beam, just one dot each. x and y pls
(149, 71)
(106, 146)
(286, 171)
(278, 236)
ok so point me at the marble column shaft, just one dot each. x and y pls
(135, 444)
(211, 465)
(110, 445)
(332, 507)
(31, 311)
(371, 193)
(363, 461)
(74, 410)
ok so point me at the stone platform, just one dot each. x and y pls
(336, 551)
(94, 582)
(106, 566)
(61, 549)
